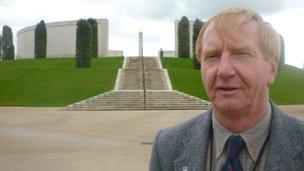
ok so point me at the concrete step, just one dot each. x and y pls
(132, 78)
(103, 109)
(133, 100)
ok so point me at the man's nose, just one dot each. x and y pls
(225, 68)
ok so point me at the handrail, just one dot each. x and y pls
(144, 82)
(143, 68)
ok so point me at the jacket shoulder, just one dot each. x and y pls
(292, 125)
(169, 142)
(297, 126)
(286, 143)
(176, 133)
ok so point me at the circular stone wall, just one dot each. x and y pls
(61, 39)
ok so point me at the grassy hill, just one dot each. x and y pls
(54, 82)
(288, 88)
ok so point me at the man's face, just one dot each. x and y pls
(235, 74)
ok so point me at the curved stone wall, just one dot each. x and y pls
(61, 39)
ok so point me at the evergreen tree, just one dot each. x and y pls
(40, 40)
(94, 26)
(8, 49)
(183, 38)
(197, 26)
(83, 44)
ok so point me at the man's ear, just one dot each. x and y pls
(273, 69)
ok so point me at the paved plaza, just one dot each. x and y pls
(49, 139)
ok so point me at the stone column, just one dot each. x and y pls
(140, 44)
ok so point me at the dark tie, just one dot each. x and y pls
(235, 145)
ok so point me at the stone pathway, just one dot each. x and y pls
(47, 139)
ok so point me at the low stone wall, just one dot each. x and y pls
(115, 53)
(169, 53)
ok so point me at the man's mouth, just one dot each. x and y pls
(226, 88)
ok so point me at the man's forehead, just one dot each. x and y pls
(210, 34)
(214, 31)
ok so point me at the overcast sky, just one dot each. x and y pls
(155, 18)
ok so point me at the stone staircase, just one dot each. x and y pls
(128, 93)
(133, 100)
(131, 75)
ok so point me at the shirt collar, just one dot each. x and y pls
(259, 131)
(221, 134)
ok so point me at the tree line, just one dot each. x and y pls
(7, 49)
(86, 42)
(184, 39)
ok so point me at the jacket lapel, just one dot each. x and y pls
(283, 145)
(196, 141)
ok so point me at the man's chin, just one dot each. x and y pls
(228, 106)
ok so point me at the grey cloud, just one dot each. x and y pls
(17, 22)
(118, 27)
(170, 10)
(203, 9)
(147, 9)
(294, 3)
(6, 2)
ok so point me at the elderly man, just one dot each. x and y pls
(239, 55)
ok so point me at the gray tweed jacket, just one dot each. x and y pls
(184, 146)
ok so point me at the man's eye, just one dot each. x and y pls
(243, 54)
(213, 56)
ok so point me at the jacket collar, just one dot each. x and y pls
(195, 144)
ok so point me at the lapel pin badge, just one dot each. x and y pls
(185, 168)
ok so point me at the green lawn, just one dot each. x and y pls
(288, 88)
(183, 77)
(54, 82)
